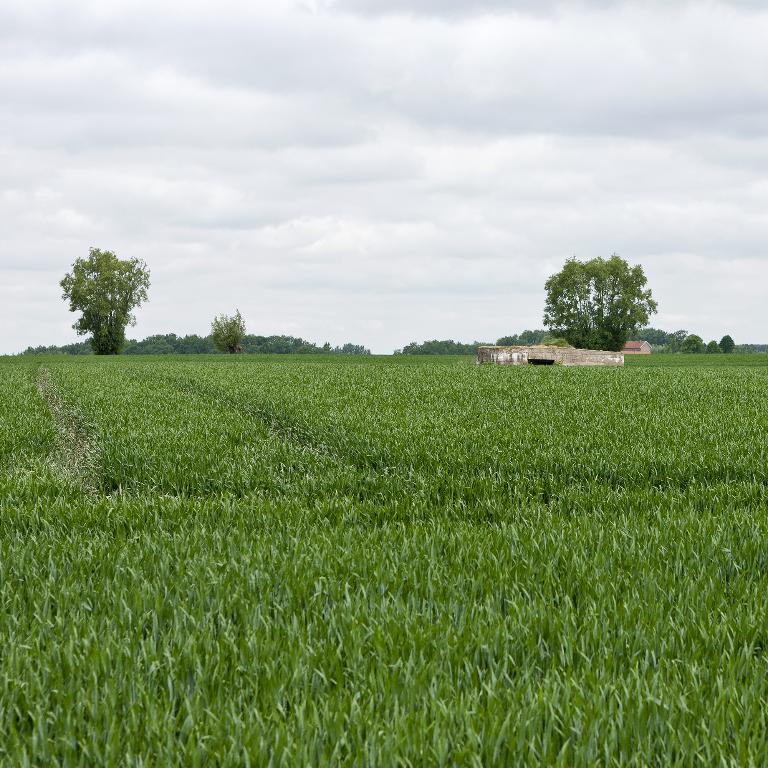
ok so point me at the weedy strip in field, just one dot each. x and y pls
(76, 454)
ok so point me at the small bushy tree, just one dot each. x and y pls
(227, 332)
(692, 344)
(727, 344)
(352, 349)
(713, 348)
(106, 290)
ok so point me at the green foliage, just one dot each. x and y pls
(713, 348)
(727, 344)
(597, 304)
(170, 343)
(676, 340)
(524, 339)
(78, 348)
(554, 341)
(227, 332)
(105, 290)
(661, 340)
(435, 347)
(664, 341)
(654, 336)
(693, 345)
(351, 349)
(337, 561)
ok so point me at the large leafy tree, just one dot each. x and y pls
(597, 304)
(228, 332)
(106, 290)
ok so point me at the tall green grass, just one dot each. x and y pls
(323, 562)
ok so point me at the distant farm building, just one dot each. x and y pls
(545, 355)
(637, 348)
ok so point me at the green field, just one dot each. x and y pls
(383, 561)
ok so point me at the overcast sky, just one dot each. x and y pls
(382, 171)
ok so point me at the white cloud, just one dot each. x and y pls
(346, 173)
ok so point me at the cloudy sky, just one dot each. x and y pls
(382, 171)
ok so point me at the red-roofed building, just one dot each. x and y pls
(637, 348)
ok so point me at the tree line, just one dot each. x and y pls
(451, 347)
(661, 341)
(596, 304)
(689, 343)
(193, 344)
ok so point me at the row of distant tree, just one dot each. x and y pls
(171, 344)
(451, 347)
(691, 343)
(661, 341)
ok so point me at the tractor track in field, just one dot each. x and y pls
(77, 450)
(278, 424)
(281, 427)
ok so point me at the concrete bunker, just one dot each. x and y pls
(546, 355)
